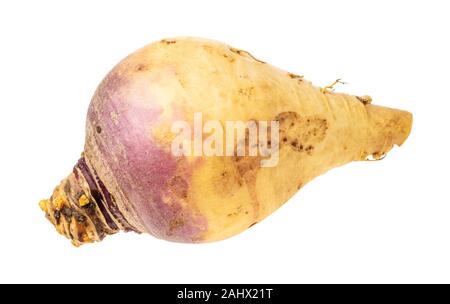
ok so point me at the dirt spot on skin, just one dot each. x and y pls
(245, 54)
(168, 41)
(302, 134)
(246, 91)
(179, 187)
(295, 76)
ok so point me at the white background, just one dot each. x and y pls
(386, 221)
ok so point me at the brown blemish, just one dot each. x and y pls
(246, 91)
(230, 59)
(301, 132)
(365, 99)
(245, 174)
(227, 182)
(98, 129)
(174, 225)
(253, 224)
(237, 212)
(168, 41)
(247, 170)
(246, 165)
(378, 156)
(295, 76)
(142, 67)
(179, 186)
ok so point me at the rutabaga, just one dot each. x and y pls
(130, 179)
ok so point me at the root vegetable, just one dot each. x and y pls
(129, 179)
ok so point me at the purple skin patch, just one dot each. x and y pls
(122, 131)
(102, 197)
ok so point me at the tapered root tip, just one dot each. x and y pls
(387, 127)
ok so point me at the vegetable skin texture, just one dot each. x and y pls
(127, 178)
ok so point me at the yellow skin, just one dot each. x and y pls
(319, 130)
